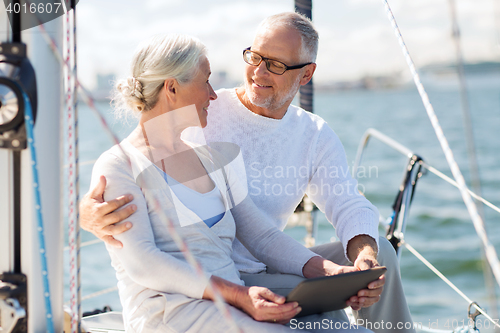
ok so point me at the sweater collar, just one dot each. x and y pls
(250, 116)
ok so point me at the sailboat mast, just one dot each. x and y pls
(20, 262)
(49, 147)
(306, 92)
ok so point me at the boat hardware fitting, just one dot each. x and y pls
(13, 303)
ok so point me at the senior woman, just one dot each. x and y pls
(197, 189)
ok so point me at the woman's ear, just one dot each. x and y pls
(170, 87)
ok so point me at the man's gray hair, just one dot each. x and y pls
(303, 25)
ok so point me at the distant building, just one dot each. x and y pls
(104, 87)
(368, 82)
(486, 67)
(220, 79)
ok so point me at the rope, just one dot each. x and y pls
(82, 245)
(448, 282)
(490, 251)
(89, 162)
(77, 171)
(73, 189)
(89, 100)
(38, 207)
(97, 294)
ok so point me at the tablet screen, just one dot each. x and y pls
(330, 293)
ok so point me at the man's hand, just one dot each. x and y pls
(318, 267)
(101, 218)
(367, 297)
(362, 251)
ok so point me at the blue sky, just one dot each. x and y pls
(355, 36)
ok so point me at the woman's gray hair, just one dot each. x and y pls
(308, 34)
(155, 60)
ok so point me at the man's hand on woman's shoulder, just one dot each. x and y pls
(101, 217)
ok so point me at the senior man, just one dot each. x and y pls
(288, 152)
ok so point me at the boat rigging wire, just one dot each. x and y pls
(466, 115)
(454, 183)
(38, 208)
(448, 282)
(371, 132)
(489, 249)
(475, 180)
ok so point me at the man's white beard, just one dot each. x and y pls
(272, 102)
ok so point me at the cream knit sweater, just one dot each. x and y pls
(285, 159)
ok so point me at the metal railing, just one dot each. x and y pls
(373, 133)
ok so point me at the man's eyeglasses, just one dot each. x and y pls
(274, 66)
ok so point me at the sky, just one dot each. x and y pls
(356, 38)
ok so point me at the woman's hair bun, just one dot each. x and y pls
(131, 90)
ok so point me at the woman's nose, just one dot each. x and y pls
(213, 95)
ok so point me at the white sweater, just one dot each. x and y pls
(284, 159)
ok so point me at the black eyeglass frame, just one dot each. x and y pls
(266, 60)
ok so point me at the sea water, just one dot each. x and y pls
(439, 226)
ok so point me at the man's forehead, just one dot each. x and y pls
(278, 43)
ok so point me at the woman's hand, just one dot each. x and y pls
(258, 302)
(264, 305)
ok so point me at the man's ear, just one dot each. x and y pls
(308, 73)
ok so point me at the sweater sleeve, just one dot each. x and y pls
(335, 192)
(266, 242)
(141, 259)
(256, 231)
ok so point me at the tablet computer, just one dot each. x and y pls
(330, 293)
